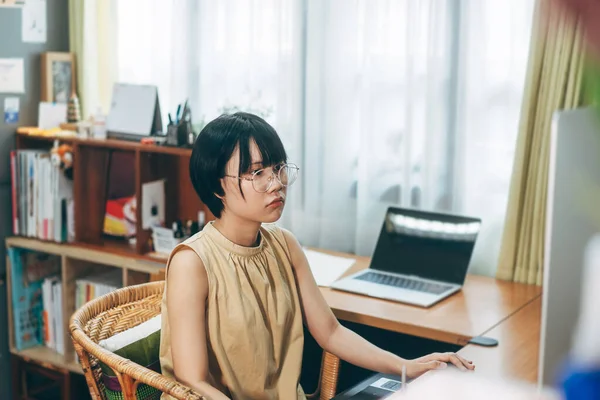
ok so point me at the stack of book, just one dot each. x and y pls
(53, 314)
(97, 285)
(36, 299)
(42, 197)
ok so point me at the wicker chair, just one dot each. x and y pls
(128, 307)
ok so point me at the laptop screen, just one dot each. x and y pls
(425, 244)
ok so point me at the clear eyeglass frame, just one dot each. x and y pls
(261, 186)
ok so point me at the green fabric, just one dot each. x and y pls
(76, 15)
(144, 392)
(592, 84)
(144, 352)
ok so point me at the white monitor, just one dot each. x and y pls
(572, 219)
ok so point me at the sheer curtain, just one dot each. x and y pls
(156, 45)
(220, 56)
(413, 104)
(386, 102)
(495, 39)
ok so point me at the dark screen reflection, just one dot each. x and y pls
(424, 244)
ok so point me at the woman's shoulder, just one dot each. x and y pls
(196, 238)
(275, 231)
(188, 251)
(185, 265)
(280, 236)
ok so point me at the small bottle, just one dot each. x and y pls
(201, 220)
(99, 128)
(189, 228)
(194, 228)
(177, 230)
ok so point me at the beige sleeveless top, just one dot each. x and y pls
(253, 317)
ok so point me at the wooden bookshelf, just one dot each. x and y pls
(78, 261)
(91, 251)
(92, 176)
(27, 138)
(110, 254)
(48, 358)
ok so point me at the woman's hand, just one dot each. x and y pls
(419, 366)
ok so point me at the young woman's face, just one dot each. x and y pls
(260, 206)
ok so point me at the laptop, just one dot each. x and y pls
(378, 386)
(421, 257)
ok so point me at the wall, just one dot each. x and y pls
(11, 46)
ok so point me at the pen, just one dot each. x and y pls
(177, 115)
(170, 119)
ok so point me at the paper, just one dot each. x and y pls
(33, 21)
(51, 115)
(11, 110)
(326, 268)
(12, 76)
(153, 204)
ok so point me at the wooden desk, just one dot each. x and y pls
(507, 311)
(482, 304)
(516, 356)
(509, 370)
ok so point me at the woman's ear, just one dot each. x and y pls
(221, 196)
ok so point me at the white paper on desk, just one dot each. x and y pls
(51, 115)
(326, 268)
(33, 21)
(12, 76)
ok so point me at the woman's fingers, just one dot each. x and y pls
(457, 360)
(439, 361)
(420, 367)
(467, 363)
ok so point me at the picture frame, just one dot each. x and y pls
(58, 78)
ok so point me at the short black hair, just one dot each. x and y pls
(216, 143)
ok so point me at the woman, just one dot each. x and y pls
(238, 292)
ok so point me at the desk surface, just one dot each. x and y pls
(516, 356)
(515, 360)
(482, 304)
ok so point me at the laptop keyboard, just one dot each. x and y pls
(404, 283)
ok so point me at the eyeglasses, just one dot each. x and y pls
(262, 180)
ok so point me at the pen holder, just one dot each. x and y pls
(181, 135)
(177, 134)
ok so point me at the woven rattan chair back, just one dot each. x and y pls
(125, 308)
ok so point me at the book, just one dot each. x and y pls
(41, 197)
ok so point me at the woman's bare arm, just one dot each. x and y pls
(347, 345)
(187, 291)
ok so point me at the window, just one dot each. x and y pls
(410, 103)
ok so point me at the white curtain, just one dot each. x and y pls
(380, 102)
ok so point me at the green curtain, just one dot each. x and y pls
(93, 40)
(76, 42)
(554, 81)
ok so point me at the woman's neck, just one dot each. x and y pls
(240, 231)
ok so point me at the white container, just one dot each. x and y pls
(164, 240)
(99, 126)
(201, 220)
